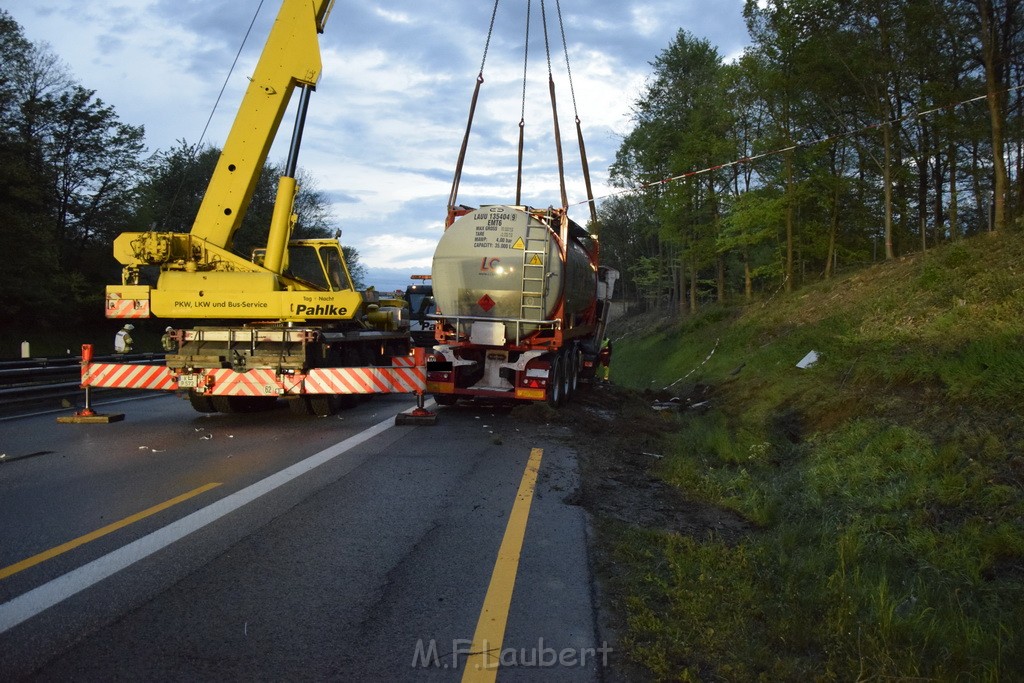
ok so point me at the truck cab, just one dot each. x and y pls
(420, 297)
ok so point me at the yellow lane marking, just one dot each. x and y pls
(482, 662)
(92, 536)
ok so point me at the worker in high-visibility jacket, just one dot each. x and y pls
(123, 339)
(604, 357)
(167, 341)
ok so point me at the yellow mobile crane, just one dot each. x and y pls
(318, 339)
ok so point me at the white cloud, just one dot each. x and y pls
(645, 19)
(386, 123)
(398, 250)
(393, 17)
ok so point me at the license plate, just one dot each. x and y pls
(188, 381)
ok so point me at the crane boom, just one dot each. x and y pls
(290, 57)
(199, 274)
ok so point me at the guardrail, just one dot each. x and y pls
(36, 380)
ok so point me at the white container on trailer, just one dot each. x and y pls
(506, 263)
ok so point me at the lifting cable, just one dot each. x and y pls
(206, 128)
(522, 111)
(576, 113)
(554, 110)
(469, 123)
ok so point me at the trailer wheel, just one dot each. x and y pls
(555, 382)
(578, 358)
(572, 373)
(350, 401)
(201, 402)
(445, 399)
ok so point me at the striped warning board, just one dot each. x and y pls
(227, 382)
(125, 376)
(383, 380)
(404, 377)
(127, 308)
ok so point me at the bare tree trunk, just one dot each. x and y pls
(693, 287)
(954, 228)
(833, 233)
(938, 233)
(887, 188)
(680, 285)
(979, 194)
(991, 52)
(721, 279)
(789, 221)
(748, 278)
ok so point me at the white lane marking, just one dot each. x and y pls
(33, 602)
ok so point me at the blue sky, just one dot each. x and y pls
(385, 125)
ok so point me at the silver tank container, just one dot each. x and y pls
(503, 262)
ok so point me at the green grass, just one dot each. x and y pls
(886, 482)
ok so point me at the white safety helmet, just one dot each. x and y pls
(129, 326)
(168, 328)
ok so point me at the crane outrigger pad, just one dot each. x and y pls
(95, 418)
(416, 417)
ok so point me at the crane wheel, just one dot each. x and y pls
(244, 404)
(201, 402)
(324, 405)
(299, 406)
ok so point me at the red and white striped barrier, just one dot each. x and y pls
(384, 380)
(402, 378)
(125, 376)
(227, 382)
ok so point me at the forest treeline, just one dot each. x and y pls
(73, 176)
(849, 131)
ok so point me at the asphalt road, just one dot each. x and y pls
(176, 546)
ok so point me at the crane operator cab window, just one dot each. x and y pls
(319, 267)
(336, 275)
(304, 264)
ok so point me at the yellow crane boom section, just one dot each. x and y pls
(290, 57)
(199, 274)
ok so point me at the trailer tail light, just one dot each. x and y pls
(439, 371)
(535, 378)
(533, 383)
(440, 376)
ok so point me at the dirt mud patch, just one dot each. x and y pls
(621, 438)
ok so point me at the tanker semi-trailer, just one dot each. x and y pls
(521, 306)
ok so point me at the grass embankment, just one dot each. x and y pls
(885, 485)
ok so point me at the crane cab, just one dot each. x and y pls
(316, 264)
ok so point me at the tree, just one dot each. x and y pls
(999, 31)
(681, 125)
(95, 163)
(31, 269)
